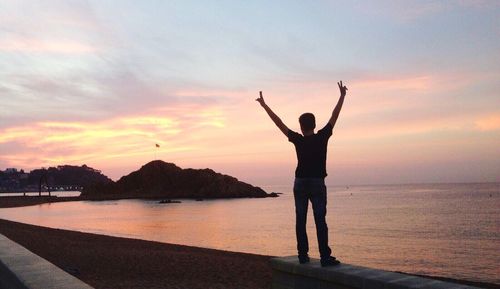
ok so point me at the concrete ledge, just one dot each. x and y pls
(289, 274)
(20, 268)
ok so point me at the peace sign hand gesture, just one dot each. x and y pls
(342, 88)
(261, 99)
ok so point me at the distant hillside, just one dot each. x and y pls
(166, 180)
(66, 175)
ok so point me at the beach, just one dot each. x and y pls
(111, 262)
(23, 201)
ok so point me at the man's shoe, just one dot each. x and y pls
(303, 259)
(329, 261)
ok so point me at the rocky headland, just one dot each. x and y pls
(159, 179)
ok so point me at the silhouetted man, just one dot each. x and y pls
(310, 176)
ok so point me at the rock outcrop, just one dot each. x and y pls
(158, 179)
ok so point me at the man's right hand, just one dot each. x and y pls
(284, 129)
(260, 99)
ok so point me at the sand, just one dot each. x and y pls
(111, 262)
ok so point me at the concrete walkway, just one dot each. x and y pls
(20, 268)
(289, 274)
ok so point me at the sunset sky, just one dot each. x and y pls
(101, 82)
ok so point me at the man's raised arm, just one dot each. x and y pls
(338, 107)
(272, 115)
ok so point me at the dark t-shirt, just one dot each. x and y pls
(311, 152)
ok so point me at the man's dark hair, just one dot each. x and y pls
(307, 121)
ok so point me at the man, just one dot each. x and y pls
(310, 176)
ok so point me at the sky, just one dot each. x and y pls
(101, 82)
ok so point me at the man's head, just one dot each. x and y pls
(307, 122)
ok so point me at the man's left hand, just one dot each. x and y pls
(342, 88)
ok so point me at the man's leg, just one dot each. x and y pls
(318, 200)
(301, 204)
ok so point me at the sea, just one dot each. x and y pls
(449, 230)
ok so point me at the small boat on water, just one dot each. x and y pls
(169, 201)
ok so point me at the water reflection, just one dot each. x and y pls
(439, 230)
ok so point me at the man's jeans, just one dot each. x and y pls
(312, 189)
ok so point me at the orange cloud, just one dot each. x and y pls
(488, 123)
(131, 137)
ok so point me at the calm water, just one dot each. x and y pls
(450, 230)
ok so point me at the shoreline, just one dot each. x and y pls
(24, 201)
(115, 262)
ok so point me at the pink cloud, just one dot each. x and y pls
(33, 45)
